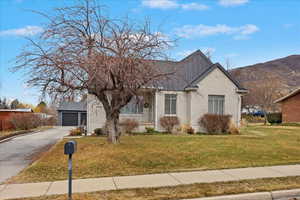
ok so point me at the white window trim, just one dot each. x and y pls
(171, 115)
(224, 96)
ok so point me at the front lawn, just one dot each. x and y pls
(256, 146)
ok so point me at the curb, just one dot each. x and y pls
(273, 195)
(283, 194)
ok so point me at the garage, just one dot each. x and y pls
(69, 119)
(72, 114)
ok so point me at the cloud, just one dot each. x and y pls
(205, 50)
(231, 55)
(161, 4)
(201, 30)
(185, 53)
(288, 25)
(26, 31)
(172, 4)
(194, 6)
(228, 3)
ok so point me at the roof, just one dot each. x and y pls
(17, 110)
(210, 69)
(74, 106)
(293, 93)
(189, 71)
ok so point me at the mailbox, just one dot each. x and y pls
(70, 147)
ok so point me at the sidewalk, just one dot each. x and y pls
(146, 181)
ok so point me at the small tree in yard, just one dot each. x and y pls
(263, 93)
(81, 51)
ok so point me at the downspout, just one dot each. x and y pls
(156, 112)
(239, 112)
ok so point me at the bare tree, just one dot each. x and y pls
(263, 93)
(228, 64)
(208, 53)
(82, 51)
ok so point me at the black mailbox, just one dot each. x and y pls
(70, 147)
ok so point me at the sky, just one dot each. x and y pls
(244, 32)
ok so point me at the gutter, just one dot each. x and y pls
(242, 91)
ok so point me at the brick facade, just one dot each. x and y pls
(291, 109)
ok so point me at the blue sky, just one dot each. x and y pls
(244, 31)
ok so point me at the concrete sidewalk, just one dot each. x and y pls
(146, 181)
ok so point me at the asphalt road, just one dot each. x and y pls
(18, 153)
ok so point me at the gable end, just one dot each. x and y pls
(210, 69)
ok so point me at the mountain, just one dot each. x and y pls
(287, 70)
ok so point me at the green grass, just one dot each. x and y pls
(290, 124)
(256, 146)
(186, 191)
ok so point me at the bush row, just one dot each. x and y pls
(274, 118)
(212, 123)
(30, 120)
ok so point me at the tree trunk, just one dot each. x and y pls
(112, 128)
(266, 117)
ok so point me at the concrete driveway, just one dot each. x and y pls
(17, 153)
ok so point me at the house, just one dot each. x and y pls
(290, 106)
(198, 87)
(72, 114)
(6, 114)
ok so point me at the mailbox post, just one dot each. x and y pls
(70, 148)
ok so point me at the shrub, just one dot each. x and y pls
(169, 122)
(274, 118)
(150, 130)
(233, 130)
(224, 123)
(129, 125)
(99, 131)
(51, 121)
(25, 121)
(186, 128)
(253, 119)
(215, 123)
(190, 131)
(76, 132)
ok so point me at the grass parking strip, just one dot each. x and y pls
(187, 191)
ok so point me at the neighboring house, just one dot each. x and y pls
(198, 87)
(6, 114)
(290, 106)
(72, 114)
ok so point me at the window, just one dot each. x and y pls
(216, 104)
(135, 106)
(170, 104)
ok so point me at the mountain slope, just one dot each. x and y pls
(286, 69)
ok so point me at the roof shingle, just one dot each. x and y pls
(75, 106)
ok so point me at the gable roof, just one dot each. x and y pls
(74, 106)
(189, 71)
(210, 69)
(293, 93)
